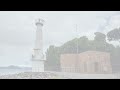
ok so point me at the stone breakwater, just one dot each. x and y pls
(32, 75)
(58, 75)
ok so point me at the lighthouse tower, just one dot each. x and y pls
(38, 57)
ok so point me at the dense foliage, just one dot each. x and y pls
(79, 45)
(114, 35)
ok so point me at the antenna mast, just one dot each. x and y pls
(77, 37)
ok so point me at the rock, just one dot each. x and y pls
(32, 75)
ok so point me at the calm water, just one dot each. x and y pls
(13, 71)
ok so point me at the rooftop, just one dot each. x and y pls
(40, 22)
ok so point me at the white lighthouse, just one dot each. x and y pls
(38, 57)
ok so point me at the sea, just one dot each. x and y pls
(13, 71)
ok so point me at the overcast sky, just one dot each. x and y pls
(17, 30)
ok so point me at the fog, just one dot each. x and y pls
(17, 30)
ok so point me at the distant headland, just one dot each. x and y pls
(14, 67)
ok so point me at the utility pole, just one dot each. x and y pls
(77, 39)
(77, 50)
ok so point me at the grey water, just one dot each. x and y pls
(13, 71)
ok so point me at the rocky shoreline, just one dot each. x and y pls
(33, 75)
(58, 75)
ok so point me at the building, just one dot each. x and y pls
(89, 62)
(37, 56)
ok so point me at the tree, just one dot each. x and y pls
(84, 44)
(52, 59)
(114, 35)
(78, 43)
(115, 59)
(99, 43)
(69, 47)
(100, 36)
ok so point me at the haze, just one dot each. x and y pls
(17, 30)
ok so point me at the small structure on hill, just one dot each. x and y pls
(89, 62)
